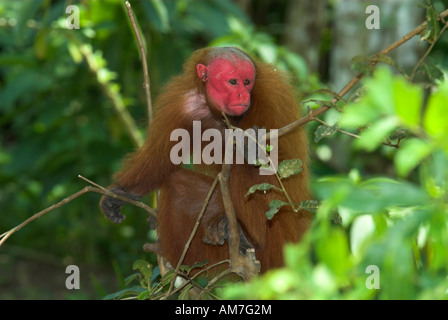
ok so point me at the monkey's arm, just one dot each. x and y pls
(144, 170)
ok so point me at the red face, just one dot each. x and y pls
(228, 84)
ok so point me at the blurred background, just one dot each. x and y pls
(60, 90)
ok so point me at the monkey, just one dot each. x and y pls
(252, 94)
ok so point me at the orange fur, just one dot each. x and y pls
(273, 105)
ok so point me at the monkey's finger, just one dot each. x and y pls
(111, 209)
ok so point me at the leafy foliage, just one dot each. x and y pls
(397, 227)
(61, 93)
(62, 96)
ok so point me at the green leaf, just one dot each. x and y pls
(433, 25)
(184, 292)
(435, 171)
(378, 194)
(132, 277)
(289, 167)
(326, 103)
(331, 93)
(323, 131)
(383, 58)
(378, 102)
(198, 265)
(75, 53)
(262, 187)
(361, 229)
(408, 101)
(376, 134)
(411, 153)
(380, 92)
(435, 119)
(275, 206)
(125, 292)
(271, 212)
(433, 72)
(145, 295)
(399, 134)
(297, 63)
(358, 114)
(167, 278)
(144, 267)
(333, 250)
(309, 205)
(362, 64)
(370, 196)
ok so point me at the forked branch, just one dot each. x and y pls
(319, 111)
(97, 189)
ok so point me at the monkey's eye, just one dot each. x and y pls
(233, 82)
(246, 82)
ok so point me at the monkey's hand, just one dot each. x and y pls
(111, 206)
(217, 233)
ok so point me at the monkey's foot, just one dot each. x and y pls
(216, 233)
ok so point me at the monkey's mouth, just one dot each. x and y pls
(237, 109)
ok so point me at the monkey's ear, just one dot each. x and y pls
(202, 71)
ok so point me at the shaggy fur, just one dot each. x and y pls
(183, 191)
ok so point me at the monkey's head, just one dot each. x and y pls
(229, 77)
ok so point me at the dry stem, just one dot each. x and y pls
(147, 82)
(99, 190)
(319, 111)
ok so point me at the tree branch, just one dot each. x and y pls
(99, 189)
(242, 265)
(419, 63)
(146, 82)
(319, 111)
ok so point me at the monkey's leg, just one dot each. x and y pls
(217, 232)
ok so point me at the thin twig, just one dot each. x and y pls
(7, 234)
(91, 182)
(210, 267)
(109, 193)
(146, 82)
(190, 279)
(330, 126)
(419, 63)
(397, 146)
(213, 282)
(100, 190)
